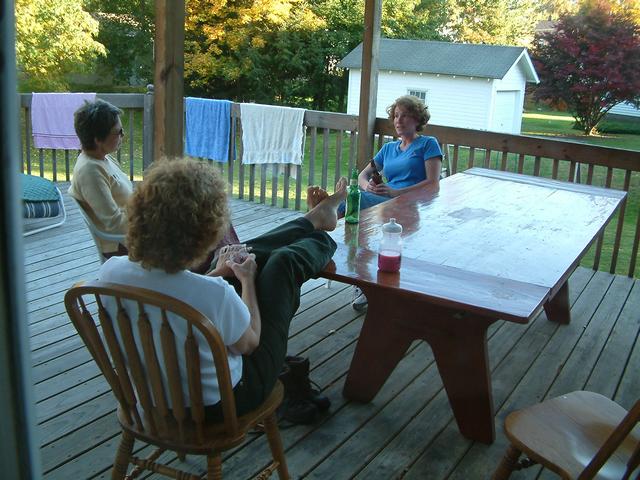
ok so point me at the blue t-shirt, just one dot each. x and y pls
(406, 168)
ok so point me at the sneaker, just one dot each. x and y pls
(359, 302)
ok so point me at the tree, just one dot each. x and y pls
(556, 8)
(590, 63)
(126, 31)
(629, 8)
(287, 51)
(223, 37)
(53, 39)
(497, 22)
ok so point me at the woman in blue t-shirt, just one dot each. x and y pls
(413, 161)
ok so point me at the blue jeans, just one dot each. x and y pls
(367, 199)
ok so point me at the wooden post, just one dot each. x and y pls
(19, 453)
(169, 79)
(369, 80)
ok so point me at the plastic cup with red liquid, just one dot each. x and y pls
(390, 251)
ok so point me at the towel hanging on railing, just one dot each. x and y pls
(52, 119)
(207, 129)
(271, 134)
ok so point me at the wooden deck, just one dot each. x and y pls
(406, 432)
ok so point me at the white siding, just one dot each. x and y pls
(508, 101)
(353, 92)
(625, 109)
(514, 79)
(456, 102)
(504, 112)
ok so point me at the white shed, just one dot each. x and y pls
(465, 85)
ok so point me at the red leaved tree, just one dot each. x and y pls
(590, 62)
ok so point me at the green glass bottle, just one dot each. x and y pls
(352, 211)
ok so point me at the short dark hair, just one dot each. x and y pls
(177, 215)
(94, 120)
(415, 107)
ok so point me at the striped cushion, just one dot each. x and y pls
(40, 197)
(40, 209)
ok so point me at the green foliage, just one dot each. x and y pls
(287, 51)
(557, 8)
(590, 63)
(498, 22)
(627, 8)
(53, 38)
(126, 30)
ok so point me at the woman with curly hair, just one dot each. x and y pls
(176, 215)
(412, 162)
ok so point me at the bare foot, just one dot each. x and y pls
(324, 215)
(315, 195)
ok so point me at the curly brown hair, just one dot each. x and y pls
(176, 215)
(414, 106)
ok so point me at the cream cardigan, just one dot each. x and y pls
(103, 189)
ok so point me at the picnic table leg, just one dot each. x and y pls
(459, 346)
(557, 308)
(379, 349)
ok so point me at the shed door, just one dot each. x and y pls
(504, 111)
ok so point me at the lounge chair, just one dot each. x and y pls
(41, 199)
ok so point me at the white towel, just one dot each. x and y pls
(52, 119)
(271, 134)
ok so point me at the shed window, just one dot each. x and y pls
(421, 94)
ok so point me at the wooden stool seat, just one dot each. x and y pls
(579, 435)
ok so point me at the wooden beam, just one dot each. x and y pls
(19, 453)
(369, 80)
(169, 79)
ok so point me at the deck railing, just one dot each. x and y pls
(330, 151)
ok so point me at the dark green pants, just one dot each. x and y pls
(287, 256)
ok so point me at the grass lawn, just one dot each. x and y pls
(614, 133)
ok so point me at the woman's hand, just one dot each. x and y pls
(237, 253)
(371, 187)
(382, 189)
(245, 269)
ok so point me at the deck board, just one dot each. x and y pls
(407, 431)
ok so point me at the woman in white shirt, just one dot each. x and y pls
(176, 215)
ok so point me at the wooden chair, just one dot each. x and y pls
(152, 406)
(581, 435)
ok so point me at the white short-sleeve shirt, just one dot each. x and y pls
(211, 296)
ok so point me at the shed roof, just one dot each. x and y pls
(426, 56)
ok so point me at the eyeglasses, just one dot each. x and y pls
(119, 132)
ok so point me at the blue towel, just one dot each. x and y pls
(208, 126)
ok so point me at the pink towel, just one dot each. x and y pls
(52, 119)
